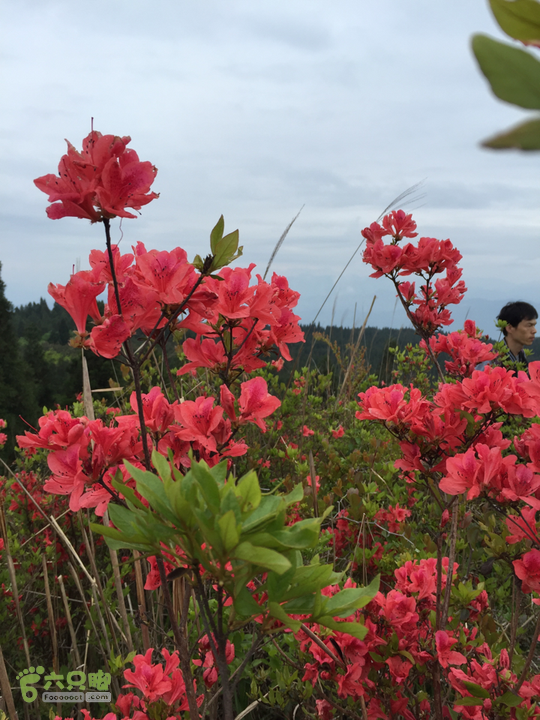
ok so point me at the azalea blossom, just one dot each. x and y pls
(99, 182)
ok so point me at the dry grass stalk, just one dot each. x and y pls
(87, 390)
(50, 614)
(141, 600)
(13, 578)
(119, 593)
(105, 655)
(72, 633)
(313, 485)
(355, 350)
(6, 689)
(87, 609)
(96, 587)
(280, 243)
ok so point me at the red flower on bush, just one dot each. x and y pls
(99, 182)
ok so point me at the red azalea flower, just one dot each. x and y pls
(100, 182)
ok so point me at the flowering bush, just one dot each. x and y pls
(264, 590)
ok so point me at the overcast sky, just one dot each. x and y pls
(255, 109)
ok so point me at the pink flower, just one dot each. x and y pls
(446, 656)
(527, 569)
(149, 679)
(101, 182)
(339, 432)
(399, 668)
(255, 402)
(78, 297)
(306, 432)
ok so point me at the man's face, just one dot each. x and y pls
(523, 333)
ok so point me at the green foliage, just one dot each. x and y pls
(206, 518)
(513, 73)
(224, 250)
(520, 19)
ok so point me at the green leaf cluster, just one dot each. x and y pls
(206, 518)
(224, 249)
(513, 73)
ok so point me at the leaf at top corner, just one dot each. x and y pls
(518, 18)
(525, 136)
(514, 74)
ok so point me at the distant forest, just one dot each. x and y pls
(39, 369)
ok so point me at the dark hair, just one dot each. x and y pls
(514, 312)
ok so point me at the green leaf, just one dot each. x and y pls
(228, 531)
(207, 525)
(353, 628)
(285, 540)
(118, 541)
(407, 654)
(226, 251)
(310, 578)
(469, 701)
(519, 18)
(248, 492)
(296, 494)
(525, 136)
(279, 613)
(162, 466)
(245, 604)
(128, 493)
(476, 690)
(269, 507)
(151, 487)
(510, 699)
(278, 584)
(217, 234)
(208, 485)
(514, 74)
(230, 502)
(263, 557)
(346, 601)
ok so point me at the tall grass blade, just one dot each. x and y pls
(280, 242)
(405, 194)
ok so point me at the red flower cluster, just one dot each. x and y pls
(402, 646)
(430, 257)
(236, 324)
(99, 182)
(465, 347)
(158, 685)
(85, 454)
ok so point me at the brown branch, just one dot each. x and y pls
(451, 558)
(530, 656)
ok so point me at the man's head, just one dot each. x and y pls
(520, 318)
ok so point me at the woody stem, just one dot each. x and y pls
(132, 360)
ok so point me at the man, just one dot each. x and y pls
(519, 331)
